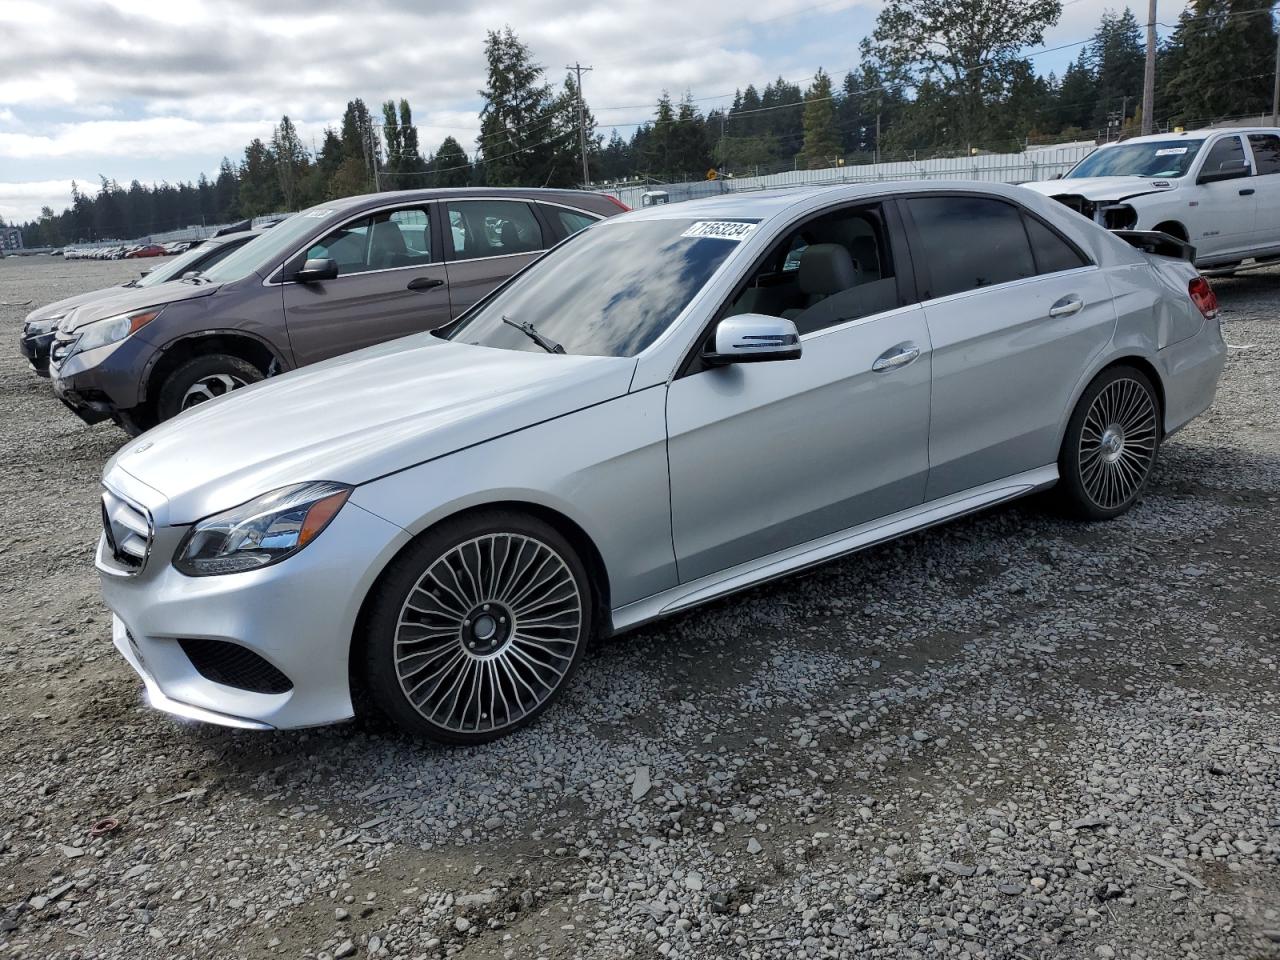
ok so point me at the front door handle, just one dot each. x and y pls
(895, 357)
(1066, 306)
(1247, 192)
(425, 283)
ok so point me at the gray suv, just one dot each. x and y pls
(336, 277)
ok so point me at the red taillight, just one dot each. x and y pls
(1203, 297)
(617, 203)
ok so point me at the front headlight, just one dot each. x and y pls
(113, 329)
(261, 532)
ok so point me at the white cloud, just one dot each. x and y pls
(20, 202)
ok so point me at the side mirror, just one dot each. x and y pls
(1230, 170)
(313, 271)
(754, 338)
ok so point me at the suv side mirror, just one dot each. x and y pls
(754, 338)
(1230, 170)
(321, 268)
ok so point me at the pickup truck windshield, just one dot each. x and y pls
(610, 290)
(1162, 158)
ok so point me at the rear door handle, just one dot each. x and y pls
(895, 357)
(1066, 306)
(1247, 192)
(425, 283)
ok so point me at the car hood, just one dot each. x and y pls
(358, 417)
(60, 308)
(129, 299)
(1101, 188)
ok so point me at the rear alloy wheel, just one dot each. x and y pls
(201, 380)
(1111, 445)
(477, 629)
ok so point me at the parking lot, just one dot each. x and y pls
(1010, 737)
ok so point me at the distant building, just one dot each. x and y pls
(10, 238)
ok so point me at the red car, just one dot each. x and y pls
(150, 250)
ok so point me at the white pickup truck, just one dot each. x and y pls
(1219, 190)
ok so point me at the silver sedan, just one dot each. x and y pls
(668, 407)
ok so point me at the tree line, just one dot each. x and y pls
(932, 79)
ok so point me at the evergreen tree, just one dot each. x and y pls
(449, 166)
(518, 123)
(259, 181)
(1117, 56)
(291, 161)
(821, 138)
(1220, 62)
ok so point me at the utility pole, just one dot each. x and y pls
(582, 120)
(1149, 74)
(1275, 89)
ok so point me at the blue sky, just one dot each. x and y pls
(134, 89)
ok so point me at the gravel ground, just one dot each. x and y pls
(1010, 737)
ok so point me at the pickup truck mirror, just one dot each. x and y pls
(1230, 170)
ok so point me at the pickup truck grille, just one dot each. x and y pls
(128, 531)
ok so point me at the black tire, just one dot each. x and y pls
(1111, 445)
(451, 638)
(217, 372)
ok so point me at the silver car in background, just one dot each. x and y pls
(670, 406)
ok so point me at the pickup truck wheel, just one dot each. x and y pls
(1111, 444)
(201, 380)
(477, 628)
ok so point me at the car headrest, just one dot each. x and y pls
(826, 268)
(387, 237)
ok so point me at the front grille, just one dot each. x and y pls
(128, 531)
(234, 666)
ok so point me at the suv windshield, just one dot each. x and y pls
(174, 268)
(610, 290)
(261, 251)
(1163, 158)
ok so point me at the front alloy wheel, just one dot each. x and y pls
(1111, 444)
(477, 629)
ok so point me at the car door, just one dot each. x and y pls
(1266, 185)
(488, 241)
(1222, 224)
(390, 284)
(766, 456)
(1015, 314)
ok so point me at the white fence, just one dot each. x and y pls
(1038, 163)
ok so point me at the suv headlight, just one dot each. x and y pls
(113, 329)
(261, 532)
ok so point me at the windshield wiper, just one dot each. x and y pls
(530, 331)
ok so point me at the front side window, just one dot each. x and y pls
(1161, 158)
(1266, 152)
(382, 241)
(967, 243)
(832, 269)
(493, 228)
(1225, 154)
(608, 292)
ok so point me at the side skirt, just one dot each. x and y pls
(793, 559)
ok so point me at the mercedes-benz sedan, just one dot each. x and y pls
(670, 406)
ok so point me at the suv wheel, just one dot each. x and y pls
(477, 628)
(201, 380)
(1111, 445)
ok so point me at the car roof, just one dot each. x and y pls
(441, 193)
(1193, 135)
(764, 204)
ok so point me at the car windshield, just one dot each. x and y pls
(264, 250)
(1162, 158)
(609, 291)
(174, 268)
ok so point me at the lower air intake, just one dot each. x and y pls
(234, 666)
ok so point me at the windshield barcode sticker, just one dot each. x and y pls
(1171, 151)
(720, 229)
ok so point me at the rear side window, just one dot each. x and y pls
(1266, 152)
(1052, 253)
(966, 243)
(571, 221)
(493, 228)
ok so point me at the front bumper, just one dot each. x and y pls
(298, 615)
(98, 384)
(35, 348)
